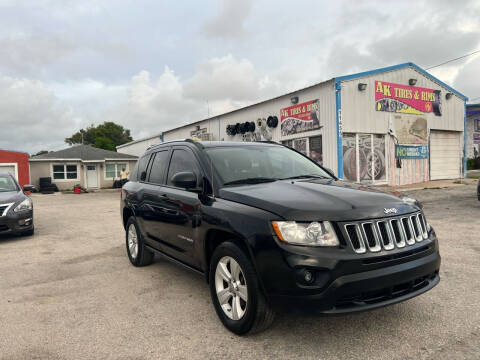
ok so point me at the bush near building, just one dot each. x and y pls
(473, 164)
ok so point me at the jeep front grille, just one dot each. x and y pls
(387, 234)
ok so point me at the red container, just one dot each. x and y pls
(77, 190)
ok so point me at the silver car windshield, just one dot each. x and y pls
(254, 164)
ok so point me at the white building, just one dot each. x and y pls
(473, 130)
(396, 125)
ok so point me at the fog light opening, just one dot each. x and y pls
(308, 276)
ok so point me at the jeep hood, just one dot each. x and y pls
(319, 199)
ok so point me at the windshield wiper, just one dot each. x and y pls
(257, 180)
(306, 176)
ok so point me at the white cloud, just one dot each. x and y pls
(68, 64)
(31, 117)
(229, 22)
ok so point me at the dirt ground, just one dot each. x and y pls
(69, 292)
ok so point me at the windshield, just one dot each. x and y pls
(245, 164)
(7, 184)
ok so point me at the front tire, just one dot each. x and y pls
(136, 251)
(236, 295)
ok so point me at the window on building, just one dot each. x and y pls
(112, 170)
(315, 149)
(64, 172)
(364, 157)
(312, 147)
(159, 167)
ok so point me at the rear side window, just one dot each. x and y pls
(182, 160)
(142, 165)
(159, 167)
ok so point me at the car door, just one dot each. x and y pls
(184, 226)
(153, 210)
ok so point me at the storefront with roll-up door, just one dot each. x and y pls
(385, 126)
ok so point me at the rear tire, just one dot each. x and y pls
(136, 251)
(238, 283)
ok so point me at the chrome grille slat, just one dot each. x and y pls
(375, 246)
(398, 238)
(357, 242)
(387, 238)
(424, 226)
(387, 233)
(409, 235)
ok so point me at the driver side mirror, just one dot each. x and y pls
(185, 179)
(29, 187)
(143, 175)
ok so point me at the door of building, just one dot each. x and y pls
(8, 168)
(445, 155)
(92, 176)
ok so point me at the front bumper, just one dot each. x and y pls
(12, 222)
(345, 282)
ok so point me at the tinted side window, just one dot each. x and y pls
(159, 167)
(142, 165)
(182, 160)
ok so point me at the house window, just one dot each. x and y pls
(64, 172)
(113, 170)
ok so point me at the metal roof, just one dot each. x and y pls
(400, 66)
(83, 152)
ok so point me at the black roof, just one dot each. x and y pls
(83, 152)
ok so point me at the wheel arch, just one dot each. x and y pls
(127, 213)
(215, 237)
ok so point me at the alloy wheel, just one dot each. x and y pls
(132, 241)
(231, 288)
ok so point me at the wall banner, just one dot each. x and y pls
(476, 138)
(405, 99)
(410, 129)
(300, 118)
(411, 151)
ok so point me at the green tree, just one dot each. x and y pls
(103, 142)
(104, 136)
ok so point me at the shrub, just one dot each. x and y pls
(473, 164)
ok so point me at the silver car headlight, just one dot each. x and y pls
(311, 234)
(24, 205)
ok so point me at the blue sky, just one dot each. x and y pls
(152, 65)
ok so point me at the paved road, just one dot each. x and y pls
(69, 292)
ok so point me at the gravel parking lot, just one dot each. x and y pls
(70, 292)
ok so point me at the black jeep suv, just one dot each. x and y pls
(269, 228)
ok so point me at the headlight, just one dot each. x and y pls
(311, 234)
(24, 205)
(412, 201)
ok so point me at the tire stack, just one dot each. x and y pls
(46, 186)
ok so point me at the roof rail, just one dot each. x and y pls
(177, 140)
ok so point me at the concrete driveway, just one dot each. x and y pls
(69, 292)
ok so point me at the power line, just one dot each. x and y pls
(451, 60)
